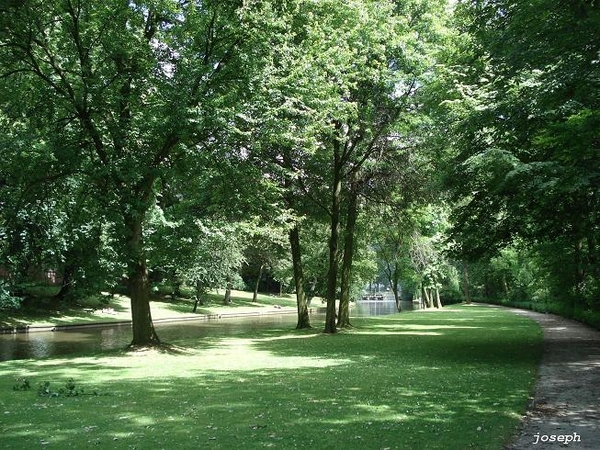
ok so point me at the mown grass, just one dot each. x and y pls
(453, 379)
(117, 308)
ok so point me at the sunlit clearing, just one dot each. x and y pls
(225, 355)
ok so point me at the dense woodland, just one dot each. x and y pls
(449, 150)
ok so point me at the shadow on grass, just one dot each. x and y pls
(238, 300)
(52, 311)
(462, 387)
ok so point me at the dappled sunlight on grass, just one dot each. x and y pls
(286, 337)
(241, 301)
(423, 327)
(404, 381)
(226, 354)
(389, 332)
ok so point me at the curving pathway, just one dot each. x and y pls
(565, 410)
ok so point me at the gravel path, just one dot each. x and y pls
(565, 410)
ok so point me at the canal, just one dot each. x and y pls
(92, 339)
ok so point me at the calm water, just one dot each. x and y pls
(374, 308)
(46, 344)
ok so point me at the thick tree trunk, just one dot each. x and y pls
(344, 308)
(299, 281)
(302, 301)
(332, 272)
(139, 287)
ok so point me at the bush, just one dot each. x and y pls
(588, 316)
(7, 299)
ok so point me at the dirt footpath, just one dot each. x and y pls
(565, 411)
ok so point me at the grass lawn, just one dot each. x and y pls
(453, 379)
(118, 309)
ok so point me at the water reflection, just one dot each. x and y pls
(46, 344)
(374, 308)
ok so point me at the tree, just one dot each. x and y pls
(526, 99)
(265, 247)
(217, 259)
(51, 220)
(133, 87)
(373, 97)
(391, 239)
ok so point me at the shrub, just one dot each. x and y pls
(7, 299)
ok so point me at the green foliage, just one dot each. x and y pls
(45, 390)
(523, 112)
(70, 389)
(116, 99)
(22, 385)
(411, 248)
(7, 299)
(203, 254)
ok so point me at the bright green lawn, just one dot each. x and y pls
(454, 379)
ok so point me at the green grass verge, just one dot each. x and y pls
(454, 379)
(117, 308)
(586, 315)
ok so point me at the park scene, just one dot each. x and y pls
(315, 224)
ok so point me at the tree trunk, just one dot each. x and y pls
(466, 287)
(427, 299)
(397, 297)
(141, 317)
(438, 301)
(301, 301)
(177, 288)
(344, 308)
(199, 292)
(505, 286)
(332, 272)
(255, 293)
(66, 283)
(392, 278)
(227, 298)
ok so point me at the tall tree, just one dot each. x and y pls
(526, 96)
(384, 58)
(133, 86)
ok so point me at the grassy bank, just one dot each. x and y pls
(587, 316)
(117, 308)
(453, 379)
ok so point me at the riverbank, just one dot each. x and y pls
(164, 309)
(438, 379)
